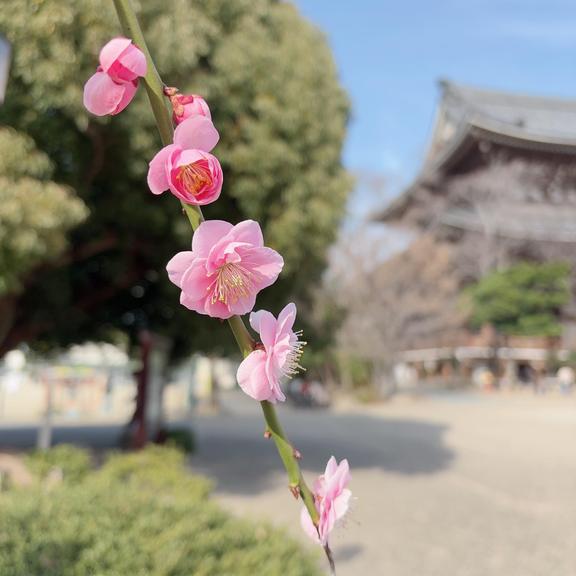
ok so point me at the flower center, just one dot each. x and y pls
(292, 365)
(194, 177)
(233, 282)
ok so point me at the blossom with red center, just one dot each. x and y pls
(114, 84)
(187, 105)
(332, 499)
(262, 371)
(225, 270)
(186, 168)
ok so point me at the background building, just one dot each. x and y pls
(498, 186)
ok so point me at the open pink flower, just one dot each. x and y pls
(189, 105)
(260, 373)
(114, 84)
(227, 267)
(332, 499)
(186, 168)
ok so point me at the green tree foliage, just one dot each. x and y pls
(35, 213)
(139, 514)
(524, 300)
(273, 89)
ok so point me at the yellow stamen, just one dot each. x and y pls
(194, 177)
(232, 283)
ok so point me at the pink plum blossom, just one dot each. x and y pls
(114, 84)
(227, 267)
(189, 105)
(186, 168)
(260, 373)
(332, 499)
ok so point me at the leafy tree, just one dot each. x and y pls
(35, 214)
(524, 300)
(272, 86)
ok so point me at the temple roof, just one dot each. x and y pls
(530, 117)
(468, 116)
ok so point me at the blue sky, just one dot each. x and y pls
(391, 53)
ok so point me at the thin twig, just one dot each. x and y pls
(328, 553)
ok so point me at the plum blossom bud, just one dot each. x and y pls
(111, 88)
(185, 106)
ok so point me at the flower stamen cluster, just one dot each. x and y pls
(233, 282)
(193, 177)
(292, 366)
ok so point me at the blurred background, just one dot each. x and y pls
(414, 163)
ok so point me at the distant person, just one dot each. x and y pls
(526, 374)
(566, 378)
(484, 378)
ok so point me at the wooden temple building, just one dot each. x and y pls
(498, 185)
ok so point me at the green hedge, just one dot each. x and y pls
(73, 463)
(139, 515)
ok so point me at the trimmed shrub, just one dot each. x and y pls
(74, 463)
(141, 514)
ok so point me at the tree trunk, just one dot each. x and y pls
(7, 315)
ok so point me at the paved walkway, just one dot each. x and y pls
(457, 485)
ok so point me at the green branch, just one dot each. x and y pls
(158, 102)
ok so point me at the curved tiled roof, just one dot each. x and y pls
(468, 114)
(519, 115)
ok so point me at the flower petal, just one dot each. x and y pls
(195, 282)
(157, 173)
(264, 323)
(196, 132)
(342, 503)
(248, 231)
(134, 60)
(102, 95)
(331, 468)
(178, 265)
(216, 309)
(242, 305)
(265, 261)
(209, 233)
(273, 373)
(308, 525)
(251, 376)
(127, 95)
(286, 320)
(342, 476)
(112, 51)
